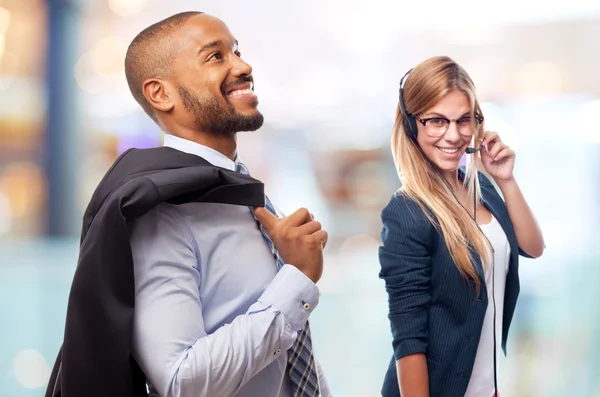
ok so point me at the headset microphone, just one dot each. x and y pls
(471, 150)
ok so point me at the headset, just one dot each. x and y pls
(410, 127)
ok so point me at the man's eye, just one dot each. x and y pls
(216, 55)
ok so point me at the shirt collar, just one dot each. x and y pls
(212, 156)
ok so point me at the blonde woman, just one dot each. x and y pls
(451, 243)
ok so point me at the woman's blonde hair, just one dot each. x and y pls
(426, 84)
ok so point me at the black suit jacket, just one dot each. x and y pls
(95, 358)
(432, 309)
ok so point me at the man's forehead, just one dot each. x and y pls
(204, 29)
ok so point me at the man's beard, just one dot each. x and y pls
(212, 116)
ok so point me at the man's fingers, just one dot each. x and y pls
(299, 217)
(309, 228)
(320, 237)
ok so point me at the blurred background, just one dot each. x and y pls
(327, 75)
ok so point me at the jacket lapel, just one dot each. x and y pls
(492, 201)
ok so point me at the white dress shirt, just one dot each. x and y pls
(213, 317)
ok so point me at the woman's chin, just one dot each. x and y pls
(446, 165)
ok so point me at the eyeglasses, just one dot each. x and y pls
(437, 126)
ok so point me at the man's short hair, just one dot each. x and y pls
(149, 56)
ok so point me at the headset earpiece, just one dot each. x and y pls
(410, 123)
(410, 126)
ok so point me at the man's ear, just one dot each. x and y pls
(159, 93)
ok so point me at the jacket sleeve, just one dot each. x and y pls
(406, 268)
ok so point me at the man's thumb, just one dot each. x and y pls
(265, 217)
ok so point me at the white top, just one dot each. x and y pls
(481, 383)
(213, 316)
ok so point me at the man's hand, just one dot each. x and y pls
(298, 238)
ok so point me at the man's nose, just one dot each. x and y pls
(241, 68)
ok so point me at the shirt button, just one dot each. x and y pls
(277, 351)
(306, 306)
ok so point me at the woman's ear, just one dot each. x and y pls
(159, 94)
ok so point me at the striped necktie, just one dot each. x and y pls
(301, 363)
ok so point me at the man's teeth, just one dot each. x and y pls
(449, 151)
(246, 91)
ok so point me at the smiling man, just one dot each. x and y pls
(219, 311)
(188, 282)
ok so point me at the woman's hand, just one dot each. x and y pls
(498, 159)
